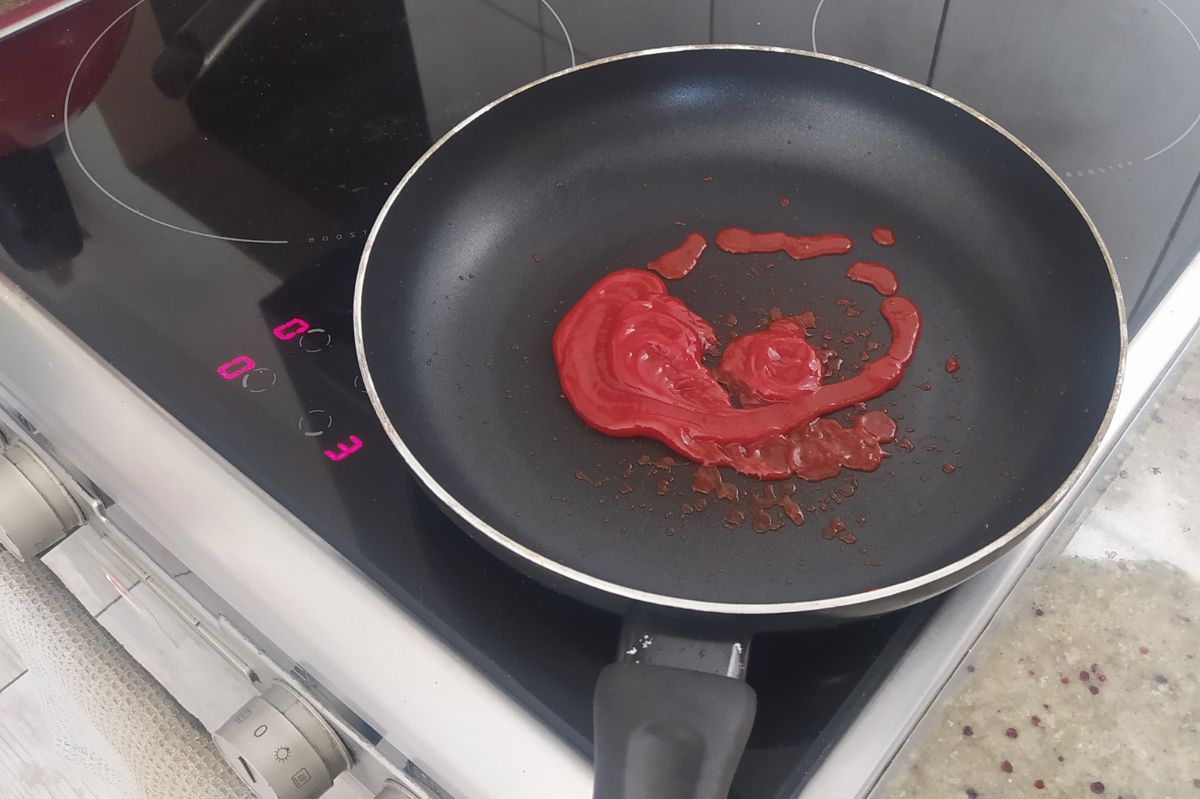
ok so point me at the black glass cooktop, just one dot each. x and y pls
(201, 222)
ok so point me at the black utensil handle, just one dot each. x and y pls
(668, 733)
(199, 42)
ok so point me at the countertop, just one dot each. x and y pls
(1087, 683)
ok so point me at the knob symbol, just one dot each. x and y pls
(282, 747)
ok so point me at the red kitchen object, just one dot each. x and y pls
(41, 44)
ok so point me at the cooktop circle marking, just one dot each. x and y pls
(1192, 126)
(98, 185)
(1094, 170)
(150, 217)
(816, 13)
(315, 343)
(255, 384)
(558, 19)
(314, 423)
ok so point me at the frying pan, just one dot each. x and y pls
(514, 214)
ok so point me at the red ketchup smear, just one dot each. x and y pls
(739, 240)
(951, 365)
(678, 262)
(629, 360)
(877, 276)
(883, 236)
(772, 365)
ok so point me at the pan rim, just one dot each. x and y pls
(945, 574)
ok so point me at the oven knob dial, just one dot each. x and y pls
(36, 511)
(281, 747)
(394, 790)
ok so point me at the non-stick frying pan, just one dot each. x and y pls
(508, 220)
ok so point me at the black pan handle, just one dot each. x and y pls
(673, 715)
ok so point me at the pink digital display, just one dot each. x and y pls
(290, 329)
(344, 449)
(231, 370)
(243, 364)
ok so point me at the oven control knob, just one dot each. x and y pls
(36, 512)
(281, 747)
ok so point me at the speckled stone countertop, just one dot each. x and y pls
(1087, 683)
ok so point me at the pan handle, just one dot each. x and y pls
(672, 715)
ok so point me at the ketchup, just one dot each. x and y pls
(773, 365)
(800, 248)
(877, 276)
(630, 362)
(883, 236)
(678, 262)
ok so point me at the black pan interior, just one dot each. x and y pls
(516, 215)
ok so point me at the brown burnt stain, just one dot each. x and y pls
(760, 520)
(705, 479)
(835, 526)
(792, 510)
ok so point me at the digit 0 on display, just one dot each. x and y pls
(243, 364)
(290, 329)
(231, 370)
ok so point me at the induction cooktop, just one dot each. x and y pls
(205, 215)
